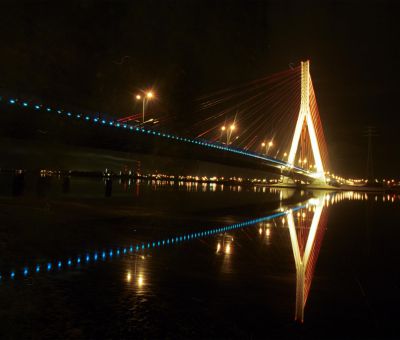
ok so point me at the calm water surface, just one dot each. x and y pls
(81, 258)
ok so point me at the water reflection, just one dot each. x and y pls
(225, 244)
(137, 273)
(306, 229)
(305, 224)
(265, 232)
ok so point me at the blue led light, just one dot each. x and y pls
(69, 114)
(87, 118)
(37, 107)
(103, 121)
(25, 104)
(48, 109)
(12, 101)
(59, 111)
(155, 243)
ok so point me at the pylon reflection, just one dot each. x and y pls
(306, 242)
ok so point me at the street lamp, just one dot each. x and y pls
(146, 97)
(267, 146)
(229, 130)
(229, 133)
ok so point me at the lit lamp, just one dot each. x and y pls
(147, 96)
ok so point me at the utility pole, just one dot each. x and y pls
(369, 132)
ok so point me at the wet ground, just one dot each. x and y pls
(216, 261)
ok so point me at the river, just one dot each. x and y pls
(86, 258)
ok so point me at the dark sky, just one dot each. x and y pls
(95, 55)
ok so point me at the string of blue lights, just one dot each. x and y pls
(96, 119)
(93, 257)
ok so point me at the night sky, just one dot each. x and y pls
(96, 55)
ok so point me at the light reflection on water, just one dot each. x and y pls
(137, 274)
(305, 224)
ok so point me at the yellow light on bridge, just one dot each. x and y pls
(138, 97)
(150, 94)
(270, 144)
(233, 127)
(223, 128)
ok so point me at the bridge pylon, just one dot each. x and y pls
(306, 118)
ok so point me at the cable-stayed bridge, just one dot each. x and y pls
(279, 110)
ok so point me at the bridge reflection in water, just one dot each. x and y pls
(306, 223)
(306, 229)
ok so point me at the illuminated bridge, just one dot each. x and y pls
(295, 102)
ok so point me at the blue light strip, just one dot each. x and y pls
(93, 257)
(95, 119)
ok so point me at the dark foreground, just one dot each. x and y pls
(237, 284)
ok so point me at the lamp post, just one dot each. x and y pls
(146, 97)
(228, 131)
(267, 146)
